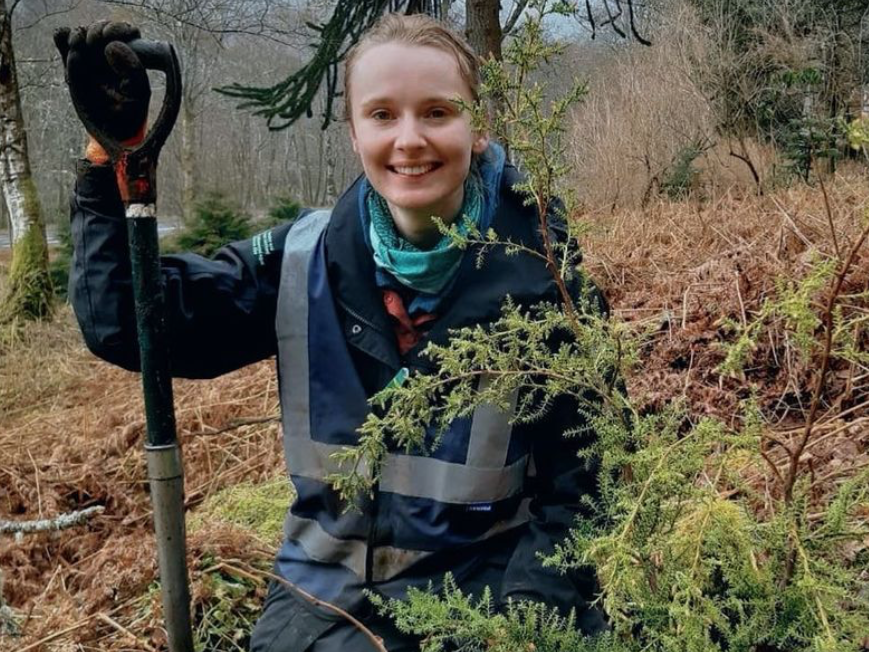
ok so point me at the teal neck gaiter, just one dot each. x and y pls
(424, 270)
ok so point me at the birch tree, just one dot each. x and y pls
(29, 286)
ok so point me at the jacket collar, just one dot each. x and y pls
(351, 272)
(482, 291)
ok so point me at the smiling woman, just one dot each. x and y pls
(348, 300)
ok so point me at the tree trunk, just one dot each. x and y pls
(188, 159)
(483, 30)
(483, 27)
(331, 165)
(29, 285)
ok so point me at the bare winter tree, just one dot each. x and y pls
(200, 30)
(29, 294)
(290, 99)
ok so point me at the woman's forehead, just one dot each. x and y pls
(395, 69)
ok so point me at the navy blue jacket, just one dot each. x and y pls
(222, 315)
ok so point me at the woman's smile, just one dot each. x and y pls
(413, 170)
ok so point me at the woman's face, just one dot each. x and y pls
(415, 143)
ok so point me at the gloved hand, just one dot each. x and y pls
(107, 78)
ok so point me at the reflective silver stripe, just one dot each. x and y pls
(292, 330)
(426, 477)
(312, 459)
(388, 561)
(321, 546)
(490, 432)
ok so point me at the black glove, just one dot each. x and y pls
(106, 77)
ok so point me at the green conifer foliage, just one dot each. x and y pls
(701, 539)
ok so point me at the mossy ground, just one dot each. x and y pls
(258, 508)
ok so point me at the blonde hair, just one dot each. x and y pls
(416, 29)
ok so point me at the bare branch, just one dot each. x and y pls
(258, 27)
(61, 522)
(633, 23)
(48, 14)
(518, 8)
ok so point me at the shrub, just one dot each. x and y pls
(681, 176)
(285, 210)
(703, 536)
(215, 222)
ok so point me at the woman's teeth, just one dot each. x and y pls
(415, 170)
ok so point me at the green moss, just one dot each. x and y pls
(31, 197)
(29, 295)
(260, 508)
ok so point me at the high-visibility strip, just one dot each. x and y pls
(292, 330)
(321, 546)
(412, 475)
(388, 561)
(448, 482)
(490, 432)
(313, 459)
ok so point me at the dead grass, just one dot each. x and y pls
(71, 426)
(72, 433)
(684, 269)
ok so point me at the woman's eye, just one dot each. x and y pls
(380, 114)
(438, 112)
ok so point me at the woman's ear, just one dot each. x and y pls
(353, 138)
(481, 142)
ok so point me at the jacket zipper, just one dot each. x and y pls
(369, 549)
(375, 502)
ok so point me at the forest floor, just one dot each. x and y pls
(71, 426)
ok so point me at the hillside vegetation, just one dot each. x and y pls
(71, 429)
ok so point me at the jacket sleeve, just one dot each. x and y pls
(220, 312)
(560, 481)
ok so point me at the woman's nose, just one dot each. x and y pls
(410, 134)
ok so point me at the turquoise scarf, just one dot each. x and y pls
(424, 270)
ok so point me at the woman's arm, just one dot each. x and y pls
(220, 312)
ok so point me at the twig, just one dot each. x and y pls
(55, 635)
(834, 432)
(38, 490)
(123, 630)
(239, 423)
(828, 209)
(776, 440)
(827, 319)
(773, 466)
(838, 472)
(62, 522)
(81, 623)
(741, 302)
(376, 641)
(791, 221)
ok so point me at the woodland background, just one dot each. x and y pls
(709, 165)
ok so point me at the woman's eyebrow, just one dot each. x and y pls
(433, 99)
